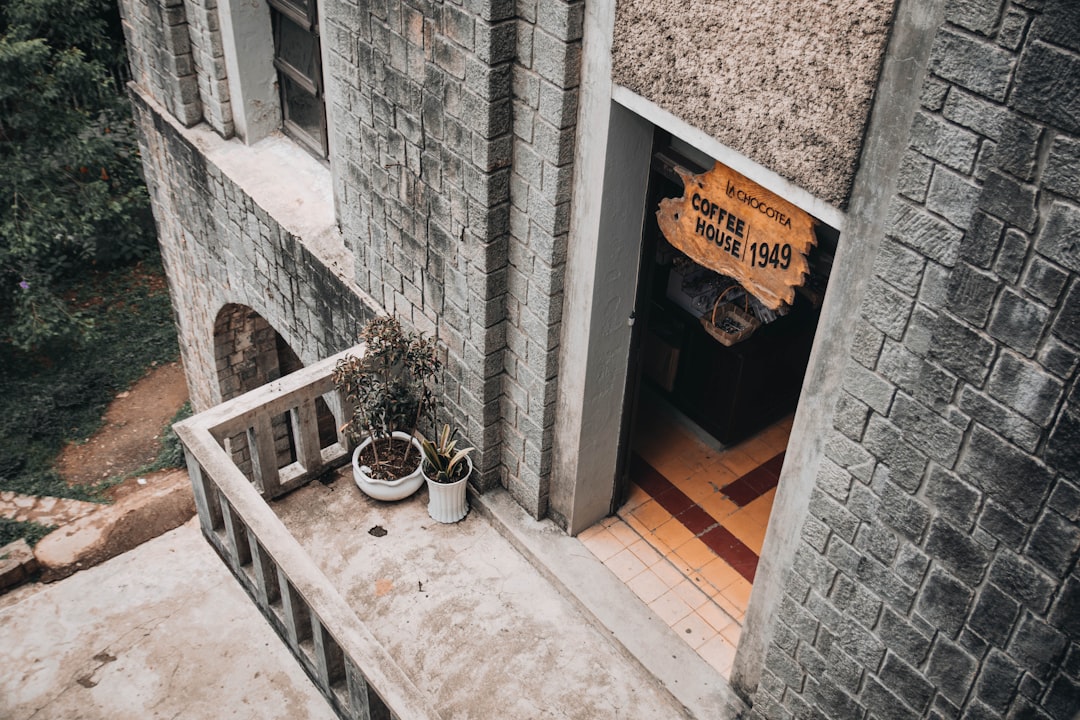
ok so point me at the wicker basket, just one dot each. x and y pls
(730, 324)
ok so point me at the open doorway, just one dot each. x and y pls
(705, 429)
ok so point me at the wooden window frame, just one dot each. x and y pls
(307, 20)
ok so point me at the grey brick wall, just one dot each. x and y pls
(208, 56)
(545, 79)
(454, 135)
(221, 249)
(160, 54)
(452, 145)
(246, 351)
(938, 570)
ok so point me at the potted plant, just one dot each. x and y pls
(447, 471)
(390, 387)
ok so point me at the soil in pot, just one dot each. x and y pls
(396, 458)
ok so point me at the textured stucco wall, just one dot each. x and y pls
(788, 84)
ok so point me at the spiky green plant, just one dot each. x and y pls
(441, 463)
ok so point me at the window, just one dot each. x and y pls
(299, 69)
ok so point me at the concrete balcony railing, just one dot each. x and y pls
(357, 676)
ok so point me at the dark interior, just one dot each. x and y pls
(730, 392)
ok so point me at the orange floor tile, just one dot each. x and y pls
(687, 539)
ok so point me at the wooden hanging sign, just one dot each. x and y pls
(734, 226)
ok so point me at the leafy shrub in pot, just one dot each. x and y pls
(390, 388)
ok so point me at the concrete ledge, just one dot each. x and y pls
(17, 564)
(115, 529)
(570, 566)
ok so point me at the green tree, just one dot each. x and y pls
(71, 190)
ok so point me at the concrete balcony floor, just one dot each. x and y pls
(468, 618)
(495, 616)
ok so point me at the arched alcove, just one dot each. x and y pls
(248, 353)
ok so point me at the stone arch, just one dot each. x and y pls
(245, 350)
(248, 353)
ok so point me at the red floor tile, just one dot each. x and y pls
(696, 520)
(750, 486)
(774, 465)
(647, 477)
(740, 557)
(674, 501)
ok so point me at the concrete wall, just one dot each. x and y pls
(937, 573)
(788, 84)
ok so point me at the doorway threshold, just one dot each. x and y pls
(688, 538)
(598, 592)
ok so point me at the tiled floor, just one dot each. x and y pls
(688, 538)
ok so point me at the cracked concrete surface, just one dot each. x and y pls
(163, 631)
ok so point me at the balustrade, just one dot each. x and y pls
(357, 676)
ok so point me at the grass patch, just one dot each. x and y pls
(172, 451)
(60, 393)
(12, 530)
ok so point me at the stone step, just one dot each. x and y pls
(133, 519)
(17, 564)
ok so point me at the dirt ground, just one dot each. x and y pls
(130, 437)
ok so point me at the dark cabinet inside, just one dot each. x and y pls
(733, 392)
(730, 392)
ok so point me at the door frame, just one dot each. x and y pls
(602, 276)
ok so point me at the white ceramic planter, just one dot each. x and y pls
(447, 502)
(387, 489)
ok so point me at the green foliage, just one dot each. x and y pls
(391, 385)
(71, 193)
(47, 399)
(172, 451)
(441, 462)
(12, 530)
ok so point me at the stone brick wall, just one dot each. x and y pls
(452, 136)
(246, 350)
(221, 248)
(937, 575)
(159, 51)
(546, 74)
(208, 56)
(450, 121)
